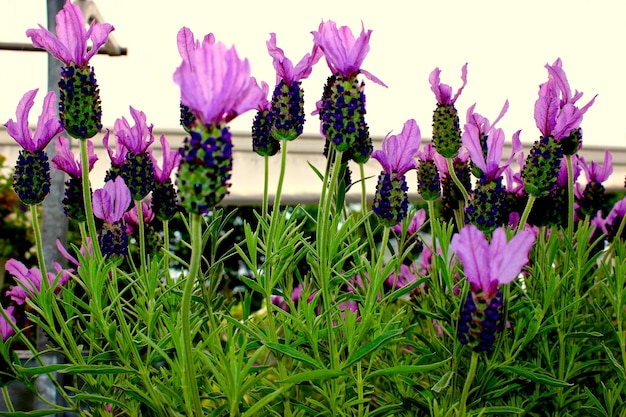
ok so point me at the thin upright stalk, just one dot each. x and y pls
(191, 389)
(142, 237)
(265, 185)
(570, 197)
(456, 180)
(468, 383)
(91, 223)
(34, 213)
(526, 213)
(364, 211)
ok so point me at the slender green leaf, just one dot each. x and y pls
(535, 376)
(313, 375)
(372, 346)
(294, 353)
(405, 369)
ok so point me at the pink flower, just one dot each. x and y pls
(29, 280)
(284, 67)
(111, 201)
(117, 155)
(6, 330)
(485, 143)
(48, 126)
(488, 265)
(398, 153)
(215, 83)
(171, 158)
(414, 226)
(594, 172)
(556, 113)
(131, 217)
(344, 53)
(443, 92)
(136, 138)
(70, 45)
(65, 161)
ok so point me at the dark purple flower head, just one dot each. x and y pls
(48, 126)
(65, 161)
(443, 92)
(488, 265)
(111, 201)
(136, 138)
(214, 82)
(285, 69)
(171, 159)
(344, 53)
(72, 41)
(398, 153)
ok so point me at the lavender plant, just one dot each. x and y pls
(362, 312)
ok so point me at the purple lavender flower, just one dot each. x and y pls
(65, 161)
(79, 106)
(556, 112)
(29, 280)
(216, 86)
(342, 108)
(287, 109)
(486, 267)
(164, 197)
(31, 179)
(485, 143)
(411, 239)
(446, 126)
(6, 330)
(263, 142)
(137, 169)
(109, 205)
(592, 198)
(396, 157)
(117, 156)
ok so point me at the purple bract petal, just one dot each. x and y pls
(71, 43)
(216, 85)
(398, 153)
(443, 92)
(48, 125)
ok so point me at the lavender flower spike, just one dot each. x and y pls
(446, 126)
(486, 267)
(109, 204)
(216, 86)
(397, 157)
(79, 104)
(31, 179)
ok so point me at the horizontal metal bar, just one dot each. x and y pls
(17, 46)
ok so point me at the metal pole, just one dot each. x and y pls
(54, 223)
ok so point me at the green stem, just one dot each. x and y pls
(91, 223)
(34, 213)
(570, 197)
(281, 177)
(468, 383)
(265, 185)
(456, 180)
(365, 212)
(191, 388)
(142, 237)
(526, 213)
(7, 398)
